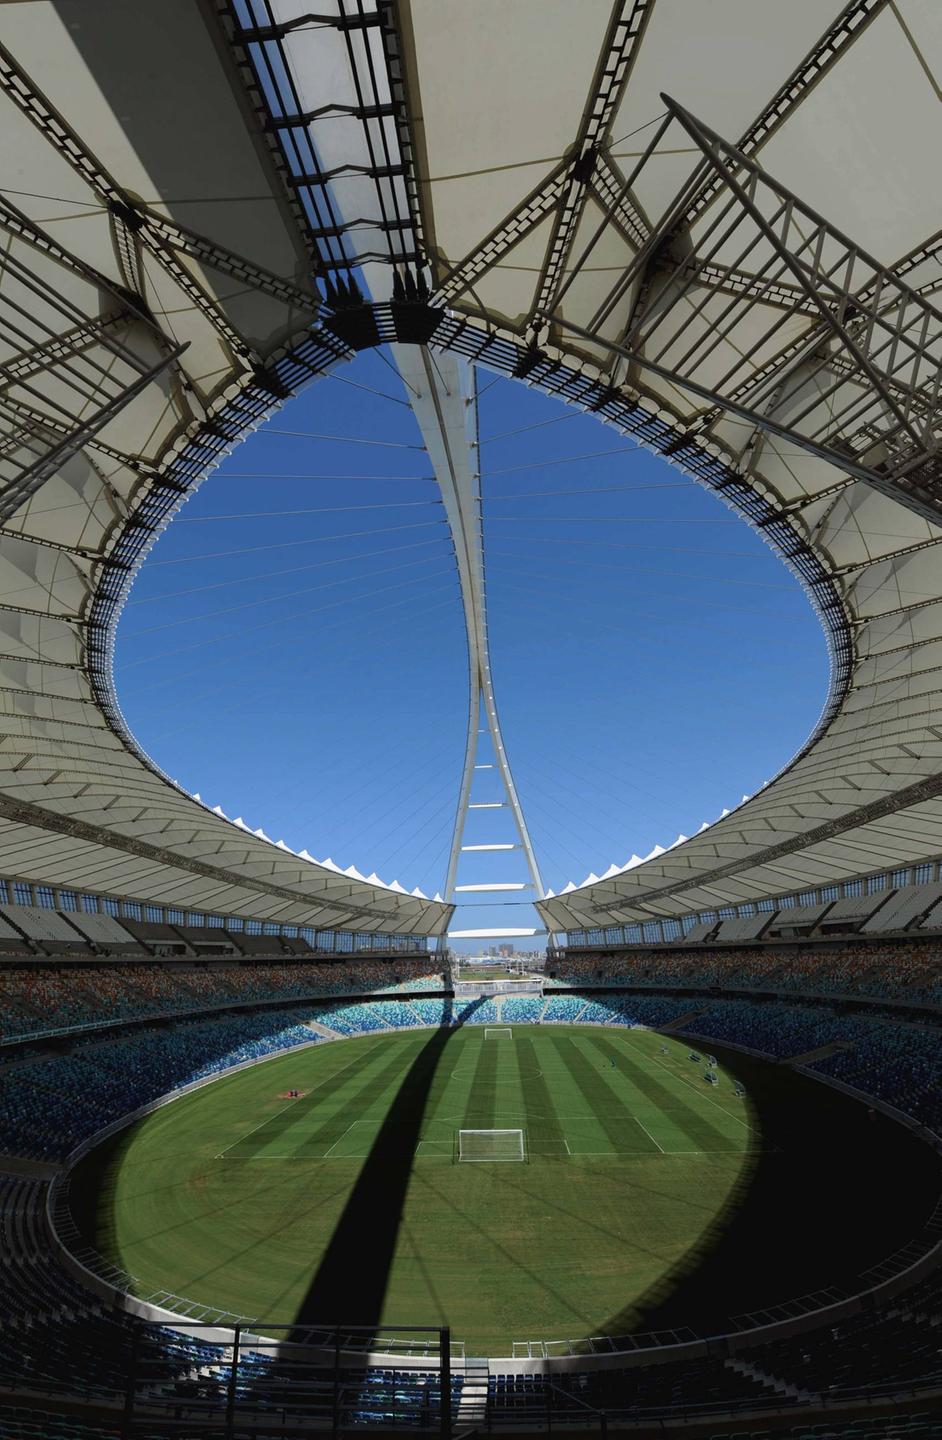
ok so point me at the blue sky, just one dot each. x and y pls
(293, 647)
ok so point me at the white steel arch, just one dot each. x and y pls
(174, 270)
(443, 394)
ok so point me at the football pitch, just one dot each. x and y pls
(586, 1094)
(350, 1204)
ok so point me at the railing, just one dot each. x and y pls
(883, 1282)
(293, 1380)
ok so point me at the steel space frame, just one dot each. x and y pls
(860, 388)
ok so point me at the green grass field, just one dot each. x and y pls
(349, 1203)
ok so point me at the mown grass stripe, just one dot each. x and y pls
(367, 1108)
(738, 1122)
(624, 1244)
(481, 1102)
(290, 1126)
(611, 1115)
(699, 1127)
(658, 1123)
(544, 1132)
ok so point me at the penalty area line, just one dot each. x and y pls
(649, 1135)
(280, 1111)
(339, 1138)
(667, 1154)
(268, 1118)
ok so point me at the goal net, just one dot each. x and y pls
(497, 1032)
(491, 1145)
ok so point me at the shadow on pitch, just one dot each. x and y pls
(350, 1283)
(827, 1190)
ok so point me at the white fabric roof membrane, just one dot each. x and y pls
(536, 198)
(178, 180)
(149, 246)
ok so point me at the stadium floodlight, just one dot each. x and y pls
(498, 1032)
(494, 1145)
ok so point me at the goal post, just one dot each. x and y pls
(494, 1145)
(498, 1032)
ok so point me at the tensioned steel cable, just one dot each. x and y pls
(593, 640)
(315, 510)
(323, 778)
(289, 544)
(350, 835)
(438, 762)
(276, 574)
(551, 810)
(537, 425)
(579, 822)
(675, 521)
(379, 842)
(358, 385)
(560, 460)
(386, 361)
(610, 732)
(338, 439)
(442, 835)
(315, 475)
(272, 599)
(648, 547)
(279, 620)
(425, 825)
(628, 571)
(592, 490)
(490, 385)
(553, 765)
(280, 644)
(381, 838)
(741, 609)
(551, 839)
(300, 671)
(583, 771)
(617, 818)
(406, 504)
(377, 765)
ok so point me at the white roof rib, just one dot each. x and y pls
(159, 297)
(631, 280)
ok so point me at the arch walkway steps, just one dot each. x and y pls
(324, 1031)
(472, 1407)
(769, 1382)
(683, 1020)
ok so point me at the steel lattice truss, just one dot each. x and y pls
(204, 206)
(859, 388)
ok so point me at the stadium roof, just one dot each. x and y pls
(713, 225)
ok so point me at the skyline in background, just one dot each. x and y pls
(293, 649)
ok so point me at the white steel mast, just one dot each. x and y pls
(443, 395)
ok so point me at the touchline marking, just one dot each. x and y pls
(498, 1080)
(633, 1154)
(537, 1151)
(648, 1155)
(339, 1138)
(222, 1154)
(686, 1082)
(649, 1135)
